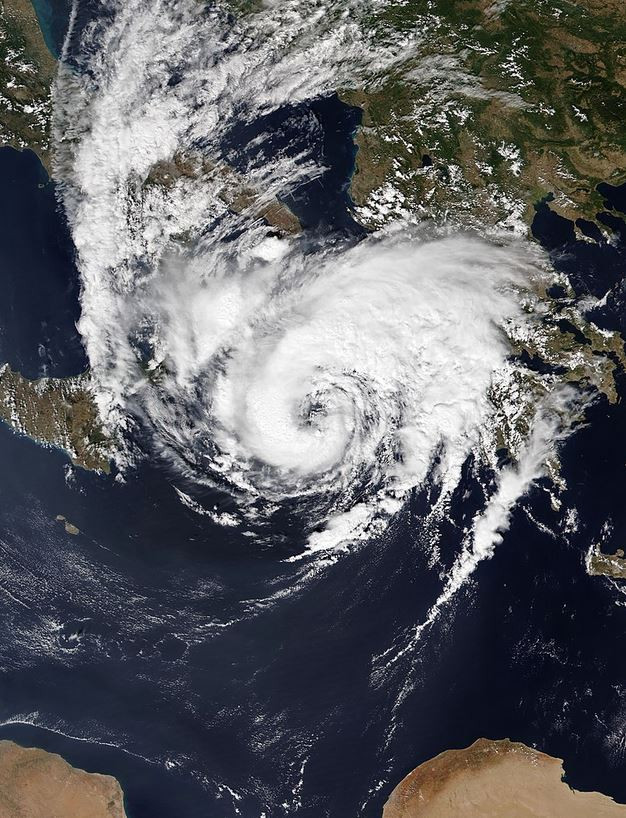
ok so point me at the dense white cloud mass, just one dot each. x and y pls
(340, 375)
(337, 379)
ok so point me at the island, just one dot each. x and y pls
(59, 412)
(37, 784)
(606, 565)
(494, 778)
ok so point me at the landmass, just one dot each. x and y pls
(37, 784)
(59, 412)
(497, 106)
(62, 412)
(27, 70)
(70, 528)
(576, 348)
(494, 778)
(494, 108)
(237, 195)
(606, 565)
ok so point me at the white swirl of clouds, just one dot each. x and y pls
(336, 380)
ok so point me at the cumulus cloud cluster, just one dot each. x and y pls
(336, 380)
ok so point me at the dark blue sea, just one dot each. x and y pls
(38, 279)
(204, 672)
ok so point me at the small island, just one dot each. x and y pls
(606, 565)
(37, 784)
(494, 778)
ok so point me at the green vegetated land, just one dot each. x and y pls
(26, 72)
(497, 105)
(59, 412)
(492, 107)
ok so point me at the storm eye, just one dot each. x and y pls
(312, 413)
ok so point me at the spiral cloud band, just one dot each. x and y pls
(332, 379)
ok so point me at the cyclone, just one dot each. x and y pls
(333, 375)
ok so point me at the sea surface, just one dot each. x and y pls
(216, 678)
(38, 279)
(53, 16)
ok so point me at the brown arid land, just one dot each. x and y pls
(494, 779)
(37, 784)
(59, 412)
(606, 565)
